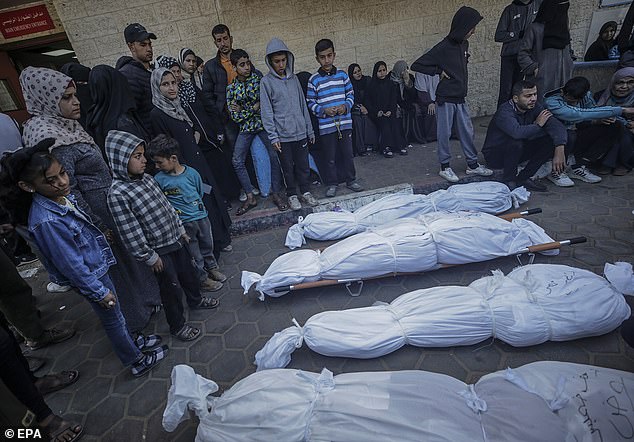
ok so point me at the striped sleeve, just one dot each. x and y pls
(311, 98)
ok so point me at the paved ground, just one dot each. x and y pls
(113, 406)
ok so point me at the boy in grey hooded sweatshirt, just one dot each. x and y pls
(286, 120)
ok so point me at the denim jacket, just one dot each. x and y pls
(77, 251)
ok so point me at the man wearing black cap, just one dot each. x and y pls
(137, 69)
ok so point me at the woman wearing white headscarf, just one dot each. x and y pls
(169, 118)
(51, 100)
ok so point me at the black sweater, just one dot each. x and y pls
(451, 56)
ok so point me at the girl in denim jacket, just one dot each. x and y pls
(77, 250)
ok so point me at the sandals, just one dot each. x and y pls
(187, 333)
(206, 303)
(54, 382)
(245, 207)
(58, 430)
(280, 202)
(147, 342)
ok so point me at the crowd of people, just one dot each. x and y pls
(127, 175)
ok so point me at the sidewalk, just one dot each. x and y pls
(113, 406)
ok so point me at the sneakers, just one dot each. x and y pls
(387, 152)
(209, 285)
(449, 175)
(228, 248)
(331, 191)
(309, 199)
(533, 185)
(583, 174)
(147, 342)
(25, 258)
(354, 186)
(561, 179)
(216, 275)
(256, 192)
(293, 201)
(148, 361)
(51, 287)
(243, 196)
(51, 336)
(480, 170)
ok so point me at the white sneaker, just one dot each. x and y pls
(293, 201)
(583, 174)
(310, 199)
(256, 191)
(544, 170)
(480, 170)
(449, 175)
(243, 196)
(51, 287)
(560, 179)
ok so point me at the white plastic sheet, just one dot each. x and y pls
(405, 245)
(541, 402)
(531, 305)
(486, 196)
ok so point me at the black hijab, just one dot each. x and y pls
(381, 93)
(359, 86)
(600, 49)
(112, 98)
(554, 15)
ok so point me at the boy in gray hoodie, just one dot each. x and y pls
(287, 122)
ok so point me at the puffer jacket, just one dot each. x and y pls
(139, 80)
(215, 87)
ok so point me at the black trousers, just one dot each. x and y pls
(338, 159)
(594, 141)
(510, 73)
(295, 167)
(178, 278)
(17, 302)
(15, 374)
(507, 157)
(390, 135)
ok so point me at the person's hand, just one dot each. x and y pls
(256, 107)
(607, 121)
(444, 76)
(311, 139)
(431, 109)
(559, 159)
(109, 234)
(535, 72)
(379, 114)
(331, 111)
(277, 146)
(197, 137)
(158, 266)
(628, 111)
(5, 229)
(388, 114)
(363, 110)
(543, 117)
(342, 109)
(630, 125)
(234, 107)
(108, 301)
(185, 237)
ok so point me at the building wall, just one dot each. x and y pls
(364, 31)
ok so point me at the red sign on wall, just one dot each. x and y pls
(25, 21)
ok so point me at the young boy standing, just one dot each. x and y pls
(183, 188)
(286, 120)
(152, 232)
(449, 59)
(331, 97)
(243, 101)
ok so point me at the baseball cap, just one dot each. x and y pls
(137, 32)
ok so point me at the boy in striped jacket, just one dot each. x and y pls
(330, 97)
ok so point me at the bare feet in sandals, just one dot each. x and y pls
(59, 430)
(56, 381)
(281, 202)
(249, 204)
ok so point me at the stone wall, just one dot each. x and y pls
(364, 31)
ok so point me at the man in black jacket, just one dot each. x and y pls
(138, 71)
(522, 130)
(513, 22)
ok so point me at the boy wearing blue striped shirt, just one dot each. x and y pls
(330, 97)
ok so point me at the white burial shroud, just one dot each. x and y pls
(538, 402)
(486, 196)
(406, 245)
(532, 304)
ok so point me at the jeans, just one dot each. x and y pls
(537, 151)
(241, 148)
(201, 246)
(177, 278)
(447, 114)
(338, 163)
(294, 160)
(114, 324)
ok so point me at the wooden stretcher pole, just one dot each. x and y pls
(328, 282)
(512, 216)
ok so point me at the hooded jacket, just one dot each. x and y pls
(139, 81)
(451, 56)
(586, 110)
(284, 112)
(513, 22)
(144, 218)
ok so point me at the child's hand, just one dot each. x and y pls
(186, 238)
(234, 107)
(444, 75)
(342, 109)
(431, 109)
(158, 266)
(331, 111)
(363, 110)
(311, 139)
(388, 114)
(277, 146)
(379, 114)
(108, 301)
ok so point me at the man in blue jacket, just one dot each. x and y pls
(522, 130)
